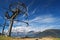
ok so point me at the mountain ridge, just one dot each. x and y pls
(46, 33)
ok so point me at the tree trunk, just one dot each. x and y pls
(10, 27)
(3, 27)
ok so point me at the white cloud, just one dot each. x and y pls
(44, 19)
(30, 28)
(36, 29)
(45, 27)
(24, 29)
(34, 11)
(45, 22)
(40, 19)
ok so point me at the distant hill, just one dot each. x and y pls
(51, 32)
(46, 33)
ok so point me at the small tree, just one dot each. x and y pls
(3, 25)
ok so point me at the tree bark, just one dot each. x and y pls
(10, 27)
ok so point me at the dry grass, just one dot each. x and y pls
(44, 38)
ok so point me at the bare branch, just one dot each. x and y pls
(22, 22)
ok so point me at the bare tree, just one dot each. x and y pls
(20, 8)
(3, 25)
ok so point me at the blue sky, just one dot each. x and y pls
(43, 14)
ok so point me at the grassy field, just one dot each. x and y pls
(45, 38)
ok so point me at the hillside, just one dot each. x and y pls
(46, 33)
(50, 32)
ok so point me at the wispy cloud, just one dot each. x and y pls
(30, 28)
(45, 27)
(23, 29)
(34, 11)
(45, 22)
(43, 19)
(30, 3)
(40, 26)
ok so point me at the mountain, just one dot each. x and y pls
(51, 32)
(46, 33)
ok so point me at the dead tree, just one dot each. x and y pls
(20, 8)
(3, 25)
